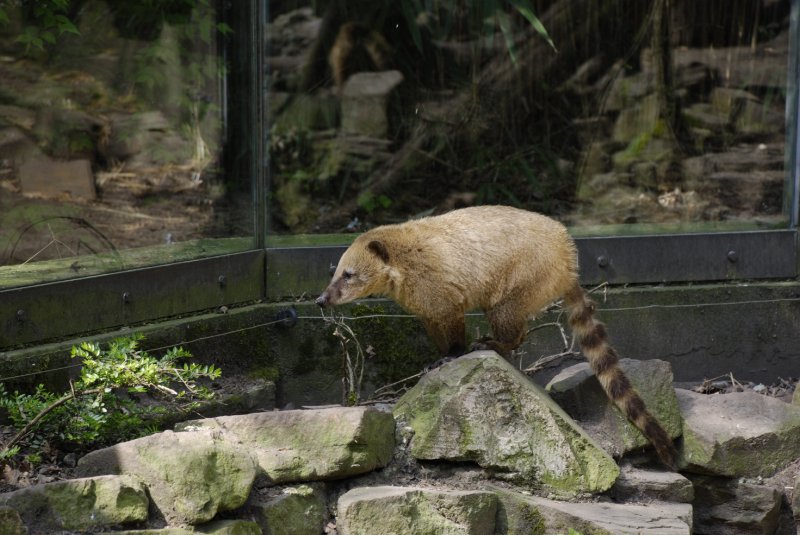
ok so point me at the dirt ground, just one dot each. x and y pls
(160, 206)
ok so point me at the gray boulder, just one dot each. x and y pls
(218, 527)
(299, 510)
(365, 102)
(409, 510)
(10, 522)
(732, 507)
(639, 485)
(77, 504)
(738, 434)
(309, 445)
(480, 408)
(190, 476)
(577, 390)
(521, 514)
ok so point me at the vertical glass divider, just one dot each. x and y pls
(793, 119)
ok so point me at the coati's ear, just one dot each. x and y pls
(379, 249)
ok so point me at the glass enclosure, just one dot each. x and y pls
(116, 143)
(134, 133)
(614, 116)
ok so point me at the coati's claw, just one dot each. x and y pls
(437, 364)
(482, 344)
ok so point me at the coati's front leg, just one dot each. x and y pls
(448, 333)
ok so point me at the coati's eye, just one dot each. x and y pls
(347, 275)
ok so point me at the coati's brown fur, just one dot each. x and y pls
(357, 48)
(508, 262)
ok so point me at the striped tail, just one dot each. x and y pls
(604, 361)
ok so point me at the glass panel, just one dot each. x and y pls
(614, 116)
(113, 120)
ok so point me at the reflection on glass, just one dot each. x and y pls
(614, 116)
(111, 130)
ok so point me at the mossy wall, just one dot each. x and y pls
(749, 330)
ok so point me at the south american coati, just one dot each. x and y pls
(357, 48)
(508, 262)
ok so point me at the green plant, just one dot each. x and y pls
(483, 17)
(48, 21)
(188, 46)
(93, 411)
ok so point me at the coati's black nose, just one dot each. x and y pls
(322, 300)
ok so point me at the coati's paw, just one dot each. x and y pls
(437, 364)
(483, 343)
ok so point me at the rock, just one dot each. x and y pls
(230, 527)
(637, 119)
(596, 161)
(702, 115)
(758, 118)
(79, 504)
(218, 527)
(365, 103)
(297, 510)
(18, 116)
(738, 434)
(644, 148)
(303, 112)
(146, 140)
(760, 191)
(480, 408)
(16, 147)
(10, 522)
(599, 184)
(395, 510)
(729, 101)
(164, 531)
(627, 90)
(44, 177)
(521, 515)
(309, 445)
(68, 134)
(740, 159)
(636, 484)
(579, 393)
(796, 498)
(190, 476)
(730, 507)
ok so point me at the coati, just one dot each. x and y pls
(357, 48)
(509, 262)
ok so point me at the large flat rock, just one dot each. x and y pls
(387, 510)
(84, 504)
(480, 408)
(738, 434)
(190, 476)
(309, 445)
(524, 514)
(578, 391)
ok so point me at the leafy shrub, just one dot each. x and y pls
(99, 409)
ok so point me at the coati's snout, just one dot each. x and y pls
(332, 295)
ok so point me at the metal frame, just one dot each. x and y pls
(58, 309)
(46, 312)
(295, 272)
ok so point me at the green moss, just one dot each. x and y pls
(267, 373)
(400, 345)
